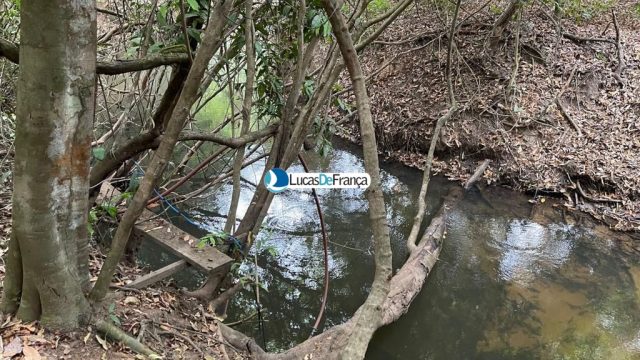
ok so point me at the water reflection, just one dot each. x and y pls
(507, 286)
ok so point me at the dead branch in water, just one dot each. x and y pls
(477, 174)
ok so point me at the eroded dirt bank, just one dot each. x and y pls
(567, 126)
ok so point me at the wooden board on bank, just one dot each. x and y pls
(152, 227)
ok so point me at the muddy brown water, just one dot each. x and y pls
(512, 281)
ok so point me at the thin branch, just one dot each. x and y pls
(231, 142)
(621, 64)
(426, 176)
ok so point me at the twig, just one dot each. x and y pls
(183, 337)
(109, 12)
(579, 39)
(511, 88)
(568, 117)
(238, 322)
(621, 64)
(124, 288)
(591, 198)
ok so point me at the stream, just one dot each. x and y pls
(512, 282)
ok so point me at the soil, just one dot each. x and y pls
(174, 326)
(593, 163)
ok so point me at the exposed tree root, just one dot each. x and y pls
(116, 333)
(621, 64)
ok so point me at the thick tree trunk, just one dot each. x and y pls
(48, 256)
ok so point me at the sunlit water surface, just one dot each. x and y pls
(511, 282)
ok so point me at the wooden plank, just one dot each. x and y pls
(174, 240)
(158, 275)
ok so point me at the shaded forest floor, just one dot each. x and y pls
(569, 127)
(171, 324)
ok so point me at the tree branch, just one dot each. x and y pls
(426, 176)
(233, 143)
(11, 52)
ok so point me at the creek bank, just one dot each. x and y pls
(570, 129)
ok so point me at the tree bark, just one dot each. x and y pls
(369, 317)
(246, 115)
(48, 257)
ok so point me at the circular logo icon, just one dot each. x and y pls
(276, 180)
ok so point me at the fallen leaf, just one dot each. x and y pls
(86, 338)
(31, 353)
(102, 342)
(131, 300)
(13, 348)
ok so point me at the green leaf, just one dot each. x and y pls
(194, 34)
(112, 211)
(115, 319)
(99, 153)
(92, 216)
(272, 251)
(194, 4)
(317, 21)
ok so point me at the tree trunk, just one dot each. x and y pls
(246, 115)
(47, 266)
(369, 317)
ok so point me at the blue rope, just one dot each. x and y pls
(168, 203)
(174, 208)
